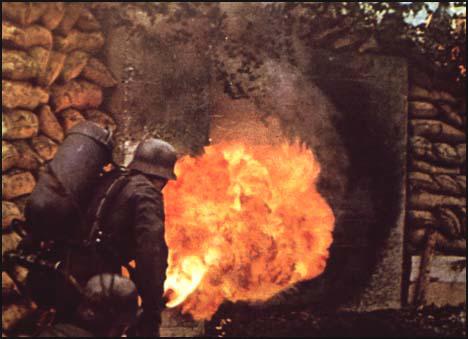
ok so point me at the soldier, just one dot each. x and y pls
(124, 222)
(130, 226)
(109, 306)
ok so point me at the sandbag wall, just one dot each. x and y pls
(436, 203)
(437, 167)
(52, 78)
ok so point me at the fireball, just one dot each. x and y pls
(243, 222)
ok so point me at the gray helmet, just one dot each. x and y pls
(155, 157)
(110, 303)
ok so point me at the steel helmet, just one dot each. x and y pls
(109, 302)
(155, 157)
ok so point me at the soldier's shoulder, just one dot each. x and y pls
(139, 180)
(140, 183)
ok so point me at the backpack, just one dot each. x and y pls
(56, 208)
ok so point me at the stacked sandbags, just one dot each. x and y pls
(51, 80)
(437, 167)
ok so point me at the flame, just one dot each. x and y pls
(243, 222)
(184, 279)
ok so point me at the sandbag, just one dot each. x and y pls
(27, 37)
(11, 33)
(70, 117)
(70, 17)
(88, 42)
(23, 13)
(14, 313)
(19, 124)
(37, 36)
(18, 65)
(87, 22)
(18, 184)
(101, 118)
(8, 286)
(9, 242)
(53, 15)
(78, 94)
(52, 71)
(22, 94)
(49, 125)
(27, 159)
(98, 73)
(56, 207)
(44, 146)
(9, 156)
(41, 57)
(21, 202)
(10, 212)
(74, 64)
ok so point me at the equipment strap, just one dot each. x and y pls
(115, 188)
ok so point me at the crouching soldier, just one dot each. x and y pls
(127, 223)
(109, 306)
(124, 221)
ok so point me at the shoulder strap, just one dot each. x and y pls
(114, 188)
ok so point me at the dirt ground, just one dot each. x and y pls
(244, 320)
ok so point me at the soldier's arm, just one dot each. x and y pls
(151, 253)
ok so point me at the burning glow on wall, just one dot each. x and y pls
(243, 222)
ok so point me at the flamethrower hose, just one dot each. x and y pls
(12, 258)
(31, 261)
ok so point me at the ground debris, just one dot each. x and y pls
(246, 321)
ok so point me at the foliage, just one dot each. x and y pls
(417, 30)
(440, 37)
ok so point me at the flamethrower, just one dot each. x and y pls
(33, 257)
(34, 262)
(38, 258)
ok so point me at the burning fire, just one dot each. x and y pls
(243, 222)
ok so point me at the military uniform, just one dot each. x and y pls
(124, 221)
(131, 229)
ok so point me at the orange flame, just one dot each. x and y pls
(243, 222)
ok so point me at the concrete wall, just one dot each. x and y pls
(351, 111)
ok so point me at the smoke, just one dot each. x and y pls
(268, 71)
(233, 78)
(306, 113)
(286, 105)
